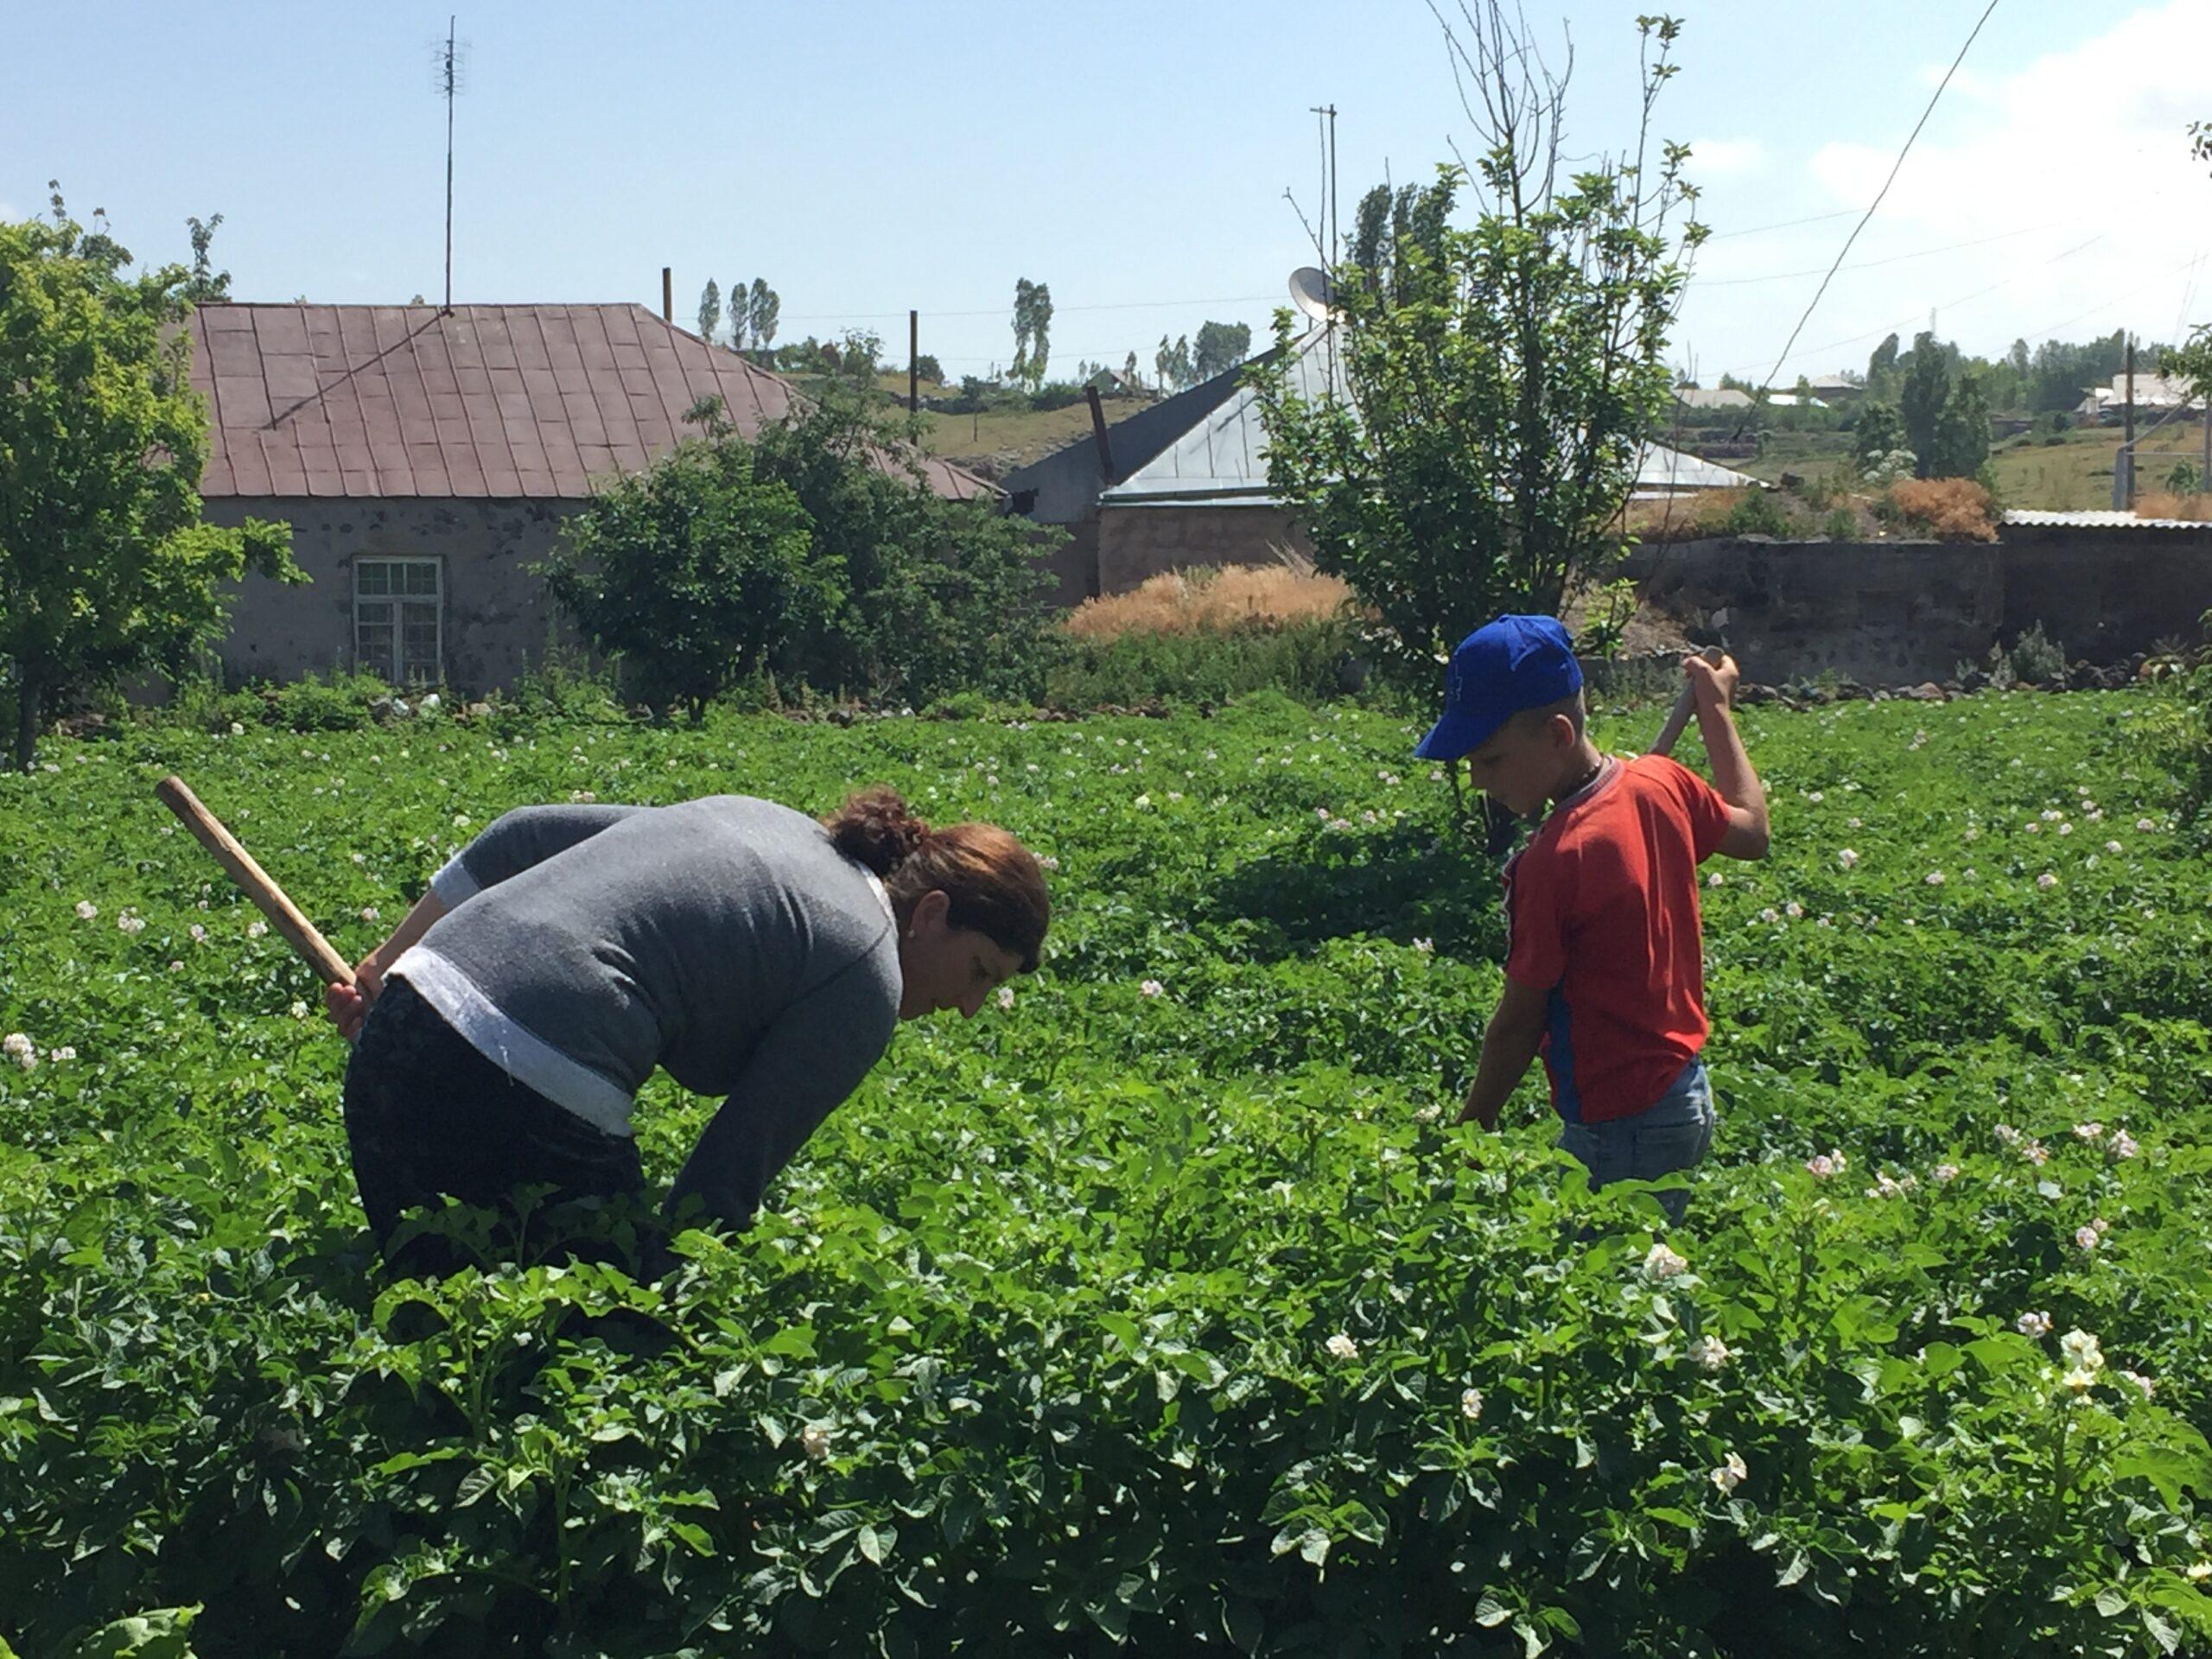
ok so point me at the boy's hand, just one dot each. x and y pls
(1712, 684)
(1470, 1114)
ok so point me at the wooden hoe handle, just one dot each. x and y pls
(283, 915)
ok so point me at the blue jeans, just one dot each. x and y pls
(1673, 1133)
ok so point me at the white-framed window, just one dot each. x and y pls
(399, 618)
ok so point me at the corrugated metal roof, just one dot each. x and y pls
(1712, 397)
(1221, 460)
(2103, 520)
(1067, 481)
(532, 401)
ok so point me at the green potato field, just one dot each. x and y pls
(1160, 1307)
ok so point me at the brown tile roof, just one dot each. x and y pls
(489, 400)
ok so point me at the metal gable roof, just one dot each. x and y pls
(1222, 459)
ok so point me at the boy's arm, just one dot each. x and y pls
(1714, 689)
(1516, 1033)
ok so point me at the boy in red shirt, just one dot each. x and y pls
(1604, 972)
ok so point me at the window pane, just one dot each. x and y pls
(373, 637)
(372, 576)
(418, 644)
(419, 577)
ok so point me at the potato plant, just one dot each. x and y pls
(1163, 1307)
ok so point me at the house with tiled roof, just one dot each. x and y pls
(427, 459)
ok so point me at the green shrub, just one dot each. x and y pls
(342, 701)
(2036, 659)
(1761, 513)
(1311, 661)
(1841, 525)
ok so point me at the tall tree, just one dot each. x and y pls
(710, 311)
(1033, 331)
(1220, 347)
(205, 285)
(1174, 364)
(1882, 365)
(1927, 385)
(1023, 289)
(1961, 439)
(762, 303)
(1492, 384)
(105, 567)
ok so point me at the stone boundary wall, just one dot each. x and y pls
(1902, 612)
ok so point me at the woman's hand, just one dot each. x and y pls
(349, 1004)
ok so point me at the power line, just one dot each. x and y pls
(1895, 167)
(1927, 253)
(1947, 305)
(1057, 310)
(2048, 331)
(1783, 225)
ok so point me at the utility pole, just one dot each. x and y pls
(2123, 461)
(2130, 415)
(913, 362)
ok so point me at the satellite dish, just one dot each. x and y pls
(1312, 292)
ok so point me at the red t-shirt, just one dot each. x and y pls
(1601, 910)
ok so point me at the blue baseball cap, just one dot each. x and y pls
(1502, 668)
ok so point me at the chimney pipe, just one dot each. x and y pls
(667, 295)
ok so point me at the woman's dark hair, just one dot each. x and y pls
(995, 883)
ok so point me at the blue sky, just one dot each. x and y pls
(869, 157)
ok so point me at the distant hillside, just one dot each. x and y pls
(2071, 475)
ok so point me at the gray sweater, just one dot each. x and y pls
(725, 939)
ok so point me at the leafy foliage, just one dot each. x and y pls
(1220, 347)
(105, 567)
(1034, 1355)
(693, 572)
(938, 595)
(1492, 384)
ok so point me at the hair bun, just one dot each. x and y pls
(875, 828)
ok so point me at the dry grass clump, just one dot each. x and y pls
(1209, 600)
(1687, 516)
(1950, 509)
(2164, 504)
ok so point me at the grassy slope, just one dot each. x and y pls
(1005, 439)
(2074, 475)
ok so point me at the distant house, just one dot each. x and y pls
(1713, 397)
(2155, 394)
(1793, 400)
(426, 460)
(1837, 389)
(1192, 487)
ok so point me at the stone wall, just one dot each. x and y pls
(1137, 543)
(496, 615)
(1887, 612)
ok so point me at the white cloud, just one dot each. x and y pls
(1713, 158)
(1965, 82)
(2072, 178)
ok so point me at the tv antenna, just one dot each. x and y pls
(448, 79)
